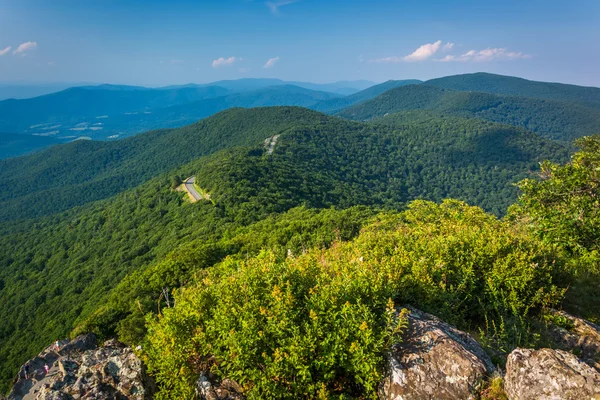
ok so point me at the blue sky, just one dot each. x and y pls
(151, 42)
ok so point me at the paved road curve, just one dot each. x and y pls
(189, 186)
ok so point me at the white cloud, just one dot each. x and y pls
(5, 51)
(271, 62)
(275, 5)
(423, 53)
(426, 51)
(177, 61)
(221, 62)
(488, 54)
(24, 47)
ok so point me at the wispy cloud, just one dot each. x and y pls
(222, 62)
(423, 53)
(275, 5)
(489, 54)
(25, 47)
(392, 59)
(177, 61)
(427, 51)
(271, 62)
(5, 51)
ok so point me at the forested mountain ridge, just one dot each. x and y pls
(514, 86)
(563, 121)
(333, 105)
(84, 171)
(339, 163)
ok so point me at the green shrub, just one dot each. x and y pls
(318, 325)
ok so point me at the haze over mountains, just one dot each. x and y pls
(108, 112)
(115, 111)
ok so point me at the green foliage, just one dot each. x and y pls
(560, 120)
(513, 86)
(494, 390)
(339, 163)
(77, 173)
(318, 324)
(564, 207)
(293, 232)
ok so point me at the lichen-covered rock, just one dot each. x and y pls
(548, 374)
(581, 337)
(208, 388)
(434, 361)
(79, 369)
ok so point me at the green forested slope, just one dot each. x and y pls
(513, 86)
(558, 120)
(343, 164)
(76, 173)
(55, 271)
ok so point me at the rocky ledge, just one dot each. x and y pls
(434, 361)
(80, 369)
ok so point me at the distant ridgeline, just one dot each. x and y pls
(109, 112)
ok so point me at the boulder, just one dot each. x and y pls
(83, 370)
(209, 388)
(434, 361)
(548, 374)
(578, 336)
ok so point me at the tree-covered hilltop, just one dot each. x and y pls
(554, 119)
(333, 105)
(514, 86)
(77, 173)
(340, 163)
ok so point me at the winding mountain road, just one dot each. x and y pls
(189, 186)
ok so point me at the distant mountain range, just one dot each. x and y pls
(104, 112)
(109, 112)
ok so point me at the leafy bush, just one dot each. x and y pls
(564, 207)
(318, 325)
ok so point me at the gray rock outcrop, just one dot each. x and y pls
(548, 374)
(208, 388)
(582, 338)
(435, 361)
(79, 369)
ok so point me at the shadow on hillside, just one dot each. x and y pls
(497, 147)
